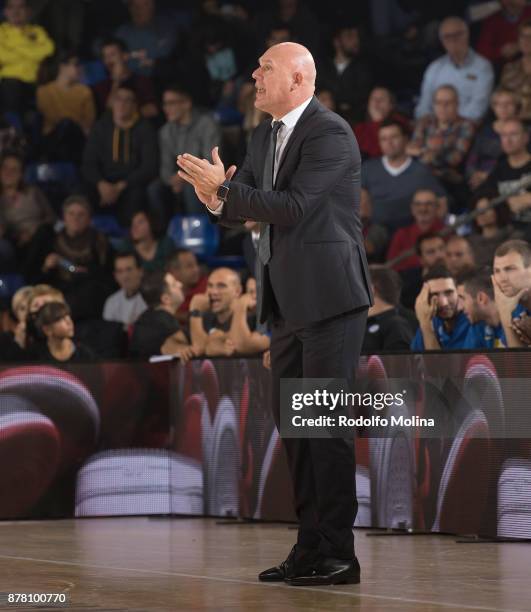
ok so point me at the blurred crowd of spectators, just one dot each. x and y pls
(107, 94)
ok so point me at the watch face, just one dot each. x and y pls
(222, 192)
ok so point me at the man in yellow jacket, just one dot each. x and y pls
(22, 48)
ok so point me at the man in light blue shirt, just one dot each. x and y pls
(470, 73)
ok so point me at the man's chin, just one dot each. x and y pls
(446, 315)
(261, 105)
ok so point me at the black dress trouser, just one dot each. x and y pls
(323, 470)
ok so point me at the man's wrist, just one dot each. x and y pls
(222, 192)
(426, 327)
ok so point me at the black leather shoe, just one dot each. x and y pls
(298, 562)
(328, 570)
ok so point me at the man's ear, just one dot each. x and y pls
(296, 81)
(482, 298)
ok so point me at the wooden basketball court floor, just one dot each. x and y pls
(197, 564)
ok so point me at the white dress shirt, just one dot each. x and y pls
(289, 121)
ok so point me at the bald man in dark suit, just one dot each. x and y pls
(301, 181)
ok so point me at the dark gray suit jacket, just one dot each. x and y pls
(318, 267)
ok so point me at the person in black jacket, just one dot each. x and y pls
(120, 158)
(78, 261)
(54, 323)
(301, 180)
(347, 74)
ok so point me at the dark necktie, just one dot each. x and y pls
(264, 242)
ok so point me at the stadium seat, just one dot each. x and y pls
(56, 179)
(53, 172)
(9, 283)
(194, 232)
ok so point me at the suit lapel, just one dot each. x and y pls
(298, 132)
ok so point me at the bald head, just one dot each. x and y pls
(284, 79)
(300, 60)
(224, 286)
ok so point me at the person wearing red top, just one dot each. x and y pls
(498, 38)
(183, 266)
(424, 210)
(381, 106)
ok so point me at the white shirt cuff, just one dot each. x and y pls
(218, 211)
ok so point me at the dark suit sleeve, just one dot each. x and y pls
(326, 155)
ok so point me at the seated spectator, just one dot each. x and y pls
(424, 208)
(459, 256)
(375, 236)
(347, 74)
(20, 308)
(222, 321)
(498, 38)
(23, 46)
(127, 304)
(54, 322)
(13, 341)
(387, 329)
(381, 107)
(477, 296)
(77, 261)
(441, 140)
(183, 266)
(68, 112)
(65, 97)
(442, 324)
(470, 73)
(512, 287)
(430, 249)
(516, 76)
(393, 179)
(156, 331)
(26, 217)
(148, 241)
(150, 37)
(513, 166)
(486, 148)
(491, 228)
(114, 54)
(187, 130)
(120, 158)
(12, 140)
